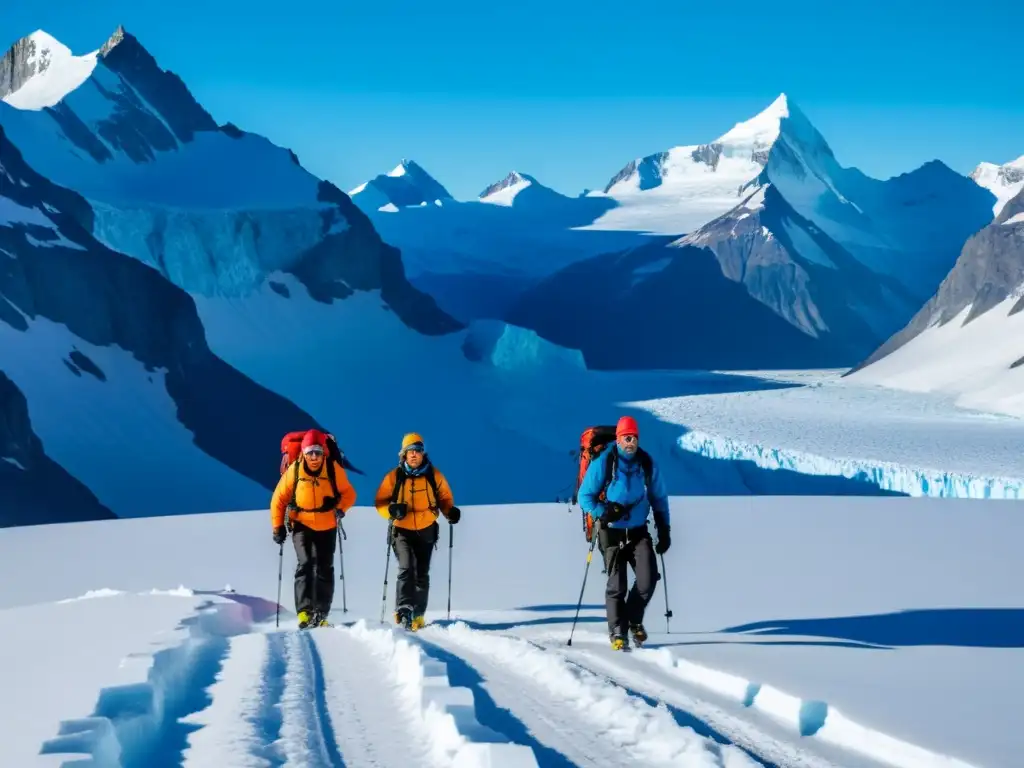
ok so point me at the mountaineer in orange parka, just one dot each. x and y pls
(412, 496)
(316, 493)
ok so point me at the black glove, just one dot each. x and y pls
(664, 539)
(339, 514)
(280, 534)
(328, 502)
(613, 511)
(454, 515)
(397, 510)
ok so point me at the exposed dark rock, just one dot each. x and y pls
(82, 362)
(163, 89)
(35, 490)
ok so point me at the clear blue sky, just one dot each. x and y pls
(571, 90)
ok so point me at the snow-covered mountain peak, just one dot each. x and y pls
(760, 131)
(39, 71)
(1003, 181)
(406, 185)
(514, 179)
(730, 162)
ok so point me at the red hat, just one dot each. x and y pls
(626, 426)
(314, 437)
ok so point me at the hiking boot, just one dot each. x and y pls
(418, 622)
(639, 634)
(619, 642)
(304, 619)
(403, 618)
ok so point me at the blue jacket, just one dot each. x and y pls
(626, 488)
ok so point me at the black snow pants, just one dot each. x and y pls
(622, 547)
(314, 573)
(414, 550)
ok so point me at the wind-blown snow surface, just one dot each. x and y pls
(806, 632)
(820, 424)
(1003, 181)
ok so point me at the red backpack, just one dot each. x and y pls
(291, 448)
(593, 441)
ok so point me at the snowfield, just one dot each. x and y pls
(819, 424)
(815, 632)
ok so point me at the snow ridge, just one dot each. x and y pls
(913, 481)
(1003, 181)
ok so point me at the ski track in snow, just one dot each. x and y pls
(321, 699)
(638, 674)
(585, 717)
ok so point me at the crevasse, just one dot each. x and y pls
(913, 481)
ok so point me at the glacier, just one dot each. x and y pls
(888, 476)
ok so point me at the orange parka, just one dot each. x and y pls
(309, 496)
(419, 496)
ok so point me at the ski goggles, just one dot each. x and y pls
(414, 447)
(314, 450)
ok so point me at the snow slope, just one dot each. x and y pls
(178, 660)
(108, 366)
(1003, 181)
(211, 207)
(843, 260)
(967, 340)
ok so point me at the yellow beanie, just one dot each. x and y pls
(411, 439)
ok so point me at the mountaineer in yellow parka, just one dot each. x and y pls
(412, 496)
(315, 493)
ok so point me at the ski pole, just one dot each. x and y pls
(668, 611)
(450, 533)
(280, 575)
(579, 603)
(387, 564)
(341, 557)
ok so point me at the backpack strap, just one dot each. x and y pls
(401, 477)
(432, 482)
(295, 487)
(612, 464)
(334, 482)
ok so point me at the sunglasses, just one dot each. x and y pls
(629, 438)
(314, 452)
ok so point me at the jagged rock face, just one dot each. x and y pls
(649, 170)
(35, 490)
(761, 287)
(163, 90)
(52, 268)
(662, 307)
(509, 181)
(990, 270)
(16, 67)
(790, 265)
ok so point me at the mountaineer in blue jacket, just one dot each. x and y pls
(620, 490)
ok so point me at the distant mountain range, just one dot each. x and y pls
(780, 255)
